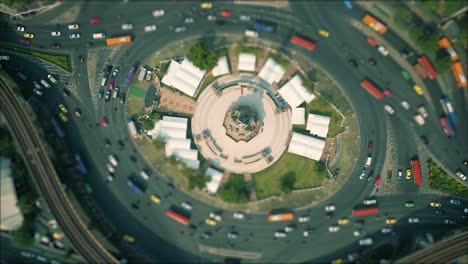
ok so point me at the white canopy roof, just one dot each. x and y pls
(222, 67)
(184, 77)
(170, 127)
(247, 62)
(295, 93)
(271, 71)
(306, 146)
(10, 215)
(176, 143)
(216, 177)
(318, 125)
(298, 116)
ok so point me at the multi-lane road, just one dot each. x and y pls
(161, 239)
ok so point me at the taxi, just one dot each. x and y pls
(435, 204)
(155, 199)
(63, 108)
(63, 117)
(206, 5)
(324, 33)
(28, 35)
(408, 174)
(343, 221)
(210, 222)
(390, 221)
(418, 89)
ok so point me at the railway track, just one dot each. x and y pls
(46, 179)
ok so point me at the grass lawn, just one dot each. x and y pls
(267, 182)
(279, 59)
(247, 49)
(440, 180)
(136, 91)
(61, 60)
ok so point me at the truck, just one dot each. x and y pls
(276, 217)
(445, 44)
(372, 89)
(431, 71)
(459, 75)
(448, 109)
(142, 74)
(375, 24)
(129, 77)
(300, 41)
(447, 126)
(261, 25)
(132, 127)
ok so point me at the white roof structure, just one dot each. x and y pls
(271, 71)
(318, 125)
(298, 116)
(222, 67)
(306, 146)
(247, 62)
(10, 215)
(185, 77)
(173, 144)
(216, 177)
(174, 127)
(295, 93)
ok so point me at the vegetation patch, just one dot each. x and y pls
(440, 180)
(247, 49)
(281, 60)
(234, 191)
(201, 57)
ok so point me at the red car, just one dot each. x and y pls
(226, 13)
(25, 41)
(388, 92)
(370, 147)
(111, 84)
(377, 181)
(95, 20)
(104, 121)
(372, 41)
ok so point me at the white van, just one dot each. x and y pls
(99, 35)
(251, 34)
(368, 162)
(144, 175)
(104, 81)
(370, 201)
(52, 78)
(46, 84)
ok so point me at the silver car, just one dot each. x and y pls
(74, 35)
(179, 29)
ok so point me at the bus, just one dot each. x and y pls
(135, 187)
(129, 77)
(375, 24)
(365, 211)
(280, 217)
(261, 25)
(445, 44)
(416, 172)
(448, 109)
(57, 128)
(372, 89)
(447, 126)
(459, 75)
(431, 72)
(119, 40)
(177, 217)
(79, 164)
(300, 41)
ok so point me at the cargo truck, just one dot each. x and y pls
(372, 89)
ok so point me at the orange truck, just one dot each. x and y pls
(445, 44)
(375, 24)
(119, 40)
(280, 217)
(459, 75)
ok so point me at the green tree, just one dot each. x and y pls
(27, 202)
(416, 32)
(287, 182)
(24, 236)
(198, 181)
(309, 85)
(402, 17)
(320, 167)
(443, 64)
(156, 116)
(148, 124)
(201, 57)
(428, 43)
(234, 191)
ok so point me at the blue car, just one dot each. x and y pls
(348, 4)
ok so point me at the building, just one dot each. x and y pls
(294, 93)
(271, 71)
(10, 215)
(318, 125)
(185, 77)
(298, 116)
(221, 68)
(306, 146)
(247, 62)
(215, 180)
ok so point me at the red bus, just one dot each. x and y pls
(178, 217)
(431, 72)
(300, 41)
(416, 172)
(365, 211)
(370, 87)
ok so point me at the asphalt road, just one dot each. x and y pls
(160, 238)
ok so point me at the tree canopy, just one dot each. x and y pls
(201, 57)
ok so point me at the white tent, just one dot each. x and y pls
(170, 127)
(318, 125)
(173, 144)
(216, 177)
(184, 77)
(306, 146)
(271, 71)
(222, 67)
(298, 116)
(247, 62)
(295, 93)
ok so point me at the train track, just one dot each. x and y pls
(46, 179)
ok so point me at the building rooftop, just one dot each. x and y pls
(318, 125)
(271, 71)
(222, 67)
(247, 62)
(295, 93)
(306, 146)
(298, 116)
(185, 77)
(215, 180)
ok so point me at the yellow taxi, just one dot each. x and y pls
(337, 261)
(435, 204)
(28, 35)
(418, 89)
(63, 117)
(63, 108)
(408, 174)
(343, 221)
(128, 238)
(155, 199)
(206, 5)
(390, 221)
(324, 33)
(210, 222)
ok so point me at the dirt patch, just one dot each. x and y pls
(69, 16)
(173, 102)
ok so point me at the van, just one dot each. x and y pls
(144, 175)
(99, 35)
(368, 162)
(52, 78)
(104, 81)
(370, 201)
(250, 33)
(46, 84)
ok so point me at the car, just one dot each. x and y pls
(406, 54)
(205, 235)
(439, 212)
(422, 111)
(52, 78)
(372, 41)
(187, 206)
(4, 58)
(150, 28)
(353, 63)
(419, 119)
(306, 232)
(77, 112)
(20, 28)
(465, 210)
(110, 168)
(304, 219)
(435, 204)
(449, 222)
(377, 181)
(460, 174)
(155, 199)
(400, 174)
(73, 26)
(389, 109)
(280, 234)
(122, 98)
(372, 61)
(363, 174)
(244, 18)
(330, 208)
(81, 58)
(370, 176)
(158, 13)
(111, 84)
(454, 201)
(95, 20)
(188, 20)
(226, 13)
(239, 216)
(413, 220)
(63, 117)
(232, 235)
(409, 204)
(110, 176)
(408, 174)
(324, 33)
(100, 93)
(418, 89)
(370, 147)
(366, 241)
(56, 33)
(405, 104)
(333, 228)
(383, 50)
(38, 92)
(179, 29)
(424, 140)
(28, 35)
(56, 45)
(74, 35)
(465, 163)
(405, 75)
(25, 41)
(211, 18)
(104, 121)
(107, 96)
(63, 108)
(388, 92)
(215, 216)
(210, 222)
(359, 223)
(343, 221)
(289, 228)
(127, 26)
(390, 221)
(386, 230)
(358, 233)
(349, 6)
(206, 5)
(115, 72)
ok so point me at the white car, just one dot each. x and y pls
(188, 20)
(358, 233)
(386, 230)
(419, 119)
(115, 72)
(127, 26)
(73, 26)
(110, 168)
(383, 50)
(150, 28)
(422, 111)
(366, 241)
(211, 18)
(370, 201)
(179, 29)
(304, 219)
(239, 216)
(280, 234)
(333, 228)
(56, 33)
(232, 235)
(215, 216)
(330, 208)
(389, 109)
(158, 13)
(465, 210)
(405, 104)
(251, 33)
(20, 28)
(244, 18)
(307, 233)
(460, 175)
(75, 35)
(449, 222)
(4, 58)
(187, 206)
(413, 220)
(113, 160)
(363, 174)
(288, 229)
(110, 176)
(455, 202)
(38, 92)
